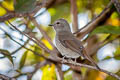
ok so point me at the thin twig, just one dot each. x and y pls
(31, 38)
(42, 31)
(27, 48)
(92, 67)
(17, 48)
(4, 77)
(37, 67)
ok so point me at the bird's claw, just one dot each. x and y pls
(63, 59)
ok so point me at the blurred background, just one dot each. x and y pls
(103, 42)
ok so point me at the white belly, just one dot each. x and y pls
(65, 51)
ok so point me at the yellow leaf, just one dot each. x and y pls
(8, 4)
(115, 22)
(52, 11)
(101, 76)
(47, 44)
(49, 73)
(30, 57)
(103, 36)
(98, 10)
(2, 11)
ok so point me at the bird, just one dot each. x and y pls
(67, 44)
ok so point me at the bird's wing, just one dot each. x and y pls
(69, 41)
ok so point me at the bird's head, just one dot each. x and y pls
(61, 25)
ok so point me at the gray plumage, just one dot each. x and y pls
(67, 44)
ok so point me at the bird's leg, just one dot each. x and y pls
(72, 61)
(75, 60)
(63, 59)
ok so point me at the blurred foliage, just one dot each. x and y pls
(68, 76)
(116, 54)
(63, 10)
(6, 5)
(112, 78)
(49, 73)
(32, 58)
(107, 29)
(24, 6)
(47, 44)
(2, 11)
(92, 75)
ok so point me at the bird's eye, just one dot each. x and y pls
(58, 23)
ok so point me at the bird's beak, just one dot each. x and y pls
(50, 25)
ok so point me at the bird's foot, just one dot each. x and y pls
(73, 62)
(63, 59)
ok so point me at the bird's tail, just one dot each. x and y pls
(90, 59)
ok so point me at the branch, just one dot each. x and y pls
(59, 60)
(101, 44)
(4, 77)
(92, 67)
(59, 72)
(31, 38)
(42, 31)
(45, 3)
(116, 4)
(27, 48)
(74, 15)
(13, 14)
(25, 43)
(37, 66)
(93, 24)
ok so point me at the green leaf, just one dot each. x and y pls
(23, 59)
(117, 57)
(110, 78)
(7, 54)
(62, 11)
(24, 6)
(107, 29)
(68, 77)
(107, 57)
(117, 53)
